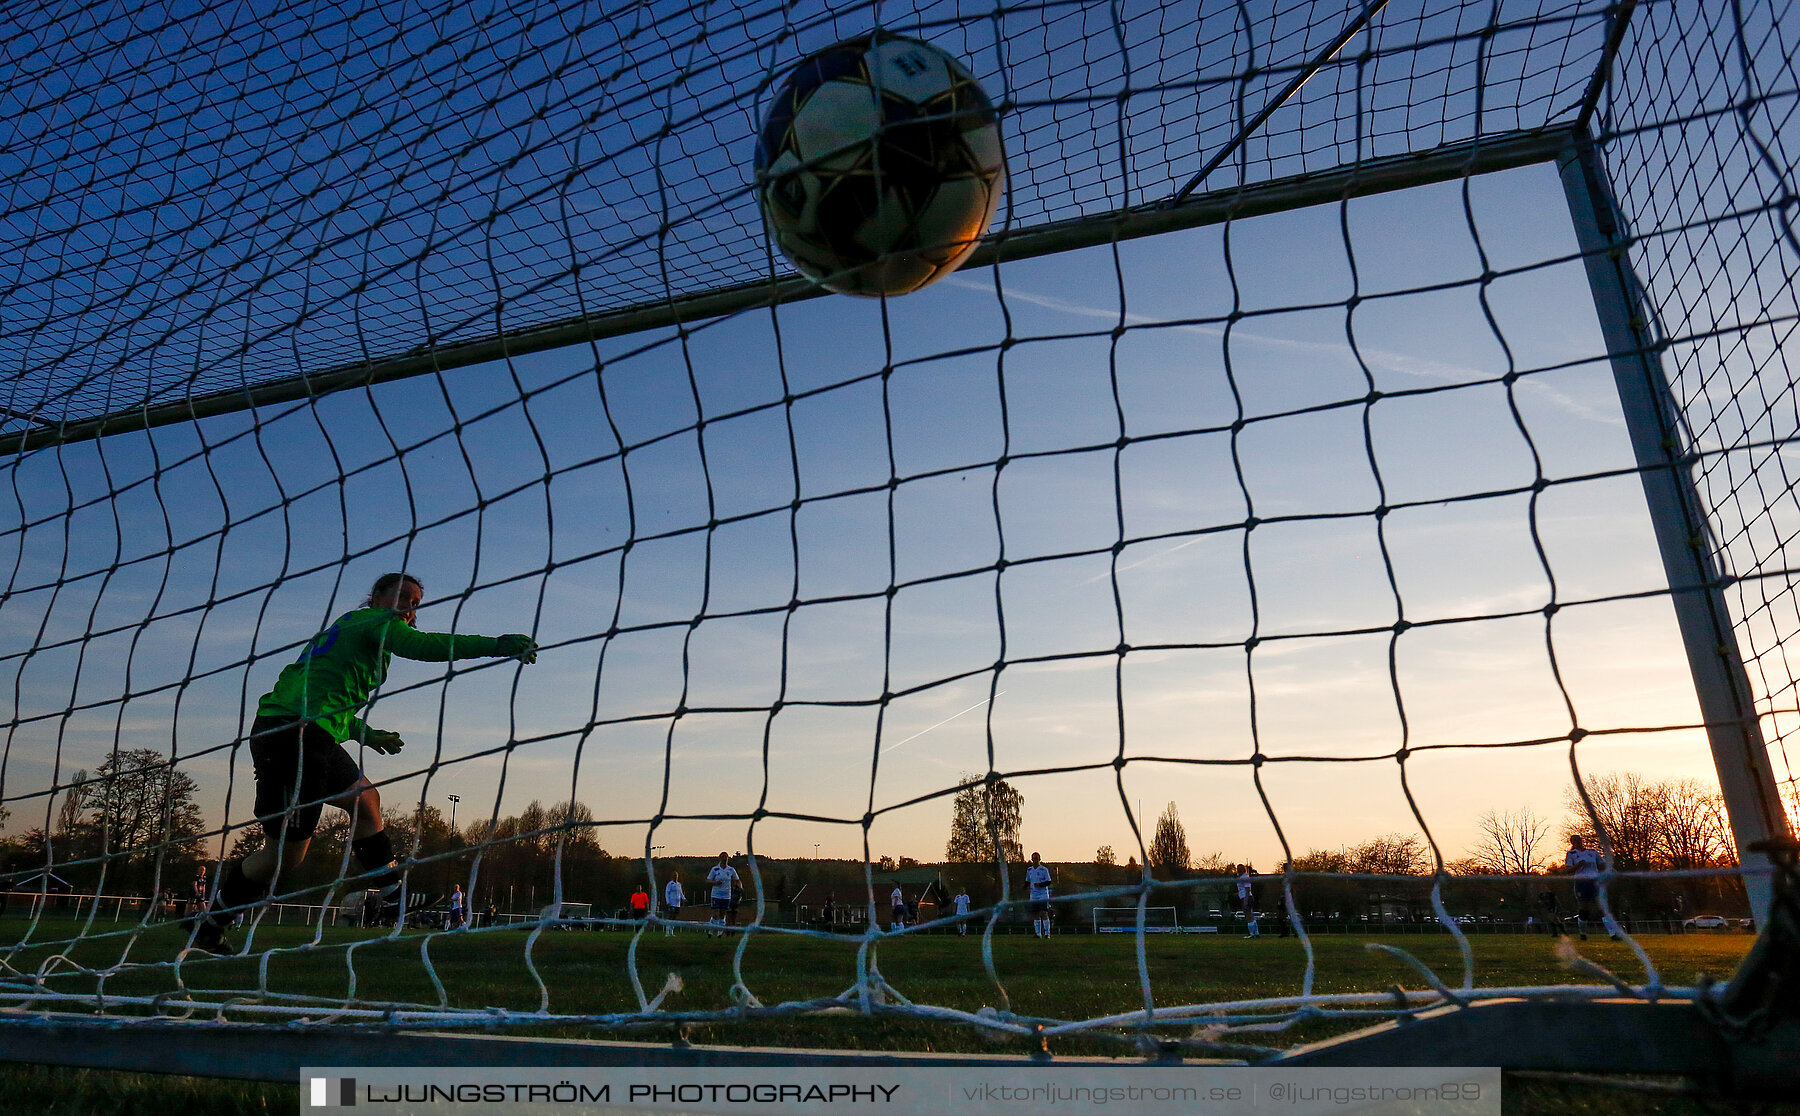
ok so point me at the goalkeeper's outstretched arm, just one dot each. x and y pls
(408, 642)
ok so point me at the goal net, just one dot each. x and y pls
(1360, 452)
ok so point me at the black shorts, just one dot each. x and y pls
(284, 751)
(1587, 890)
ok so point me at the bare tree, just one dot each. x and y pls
(576, 824)
(1693, 832)
(143, 802)
(1629, 810)
(141, 815)
(1213, 863)
(1509, 842)
(1104, 856)
(1392, 854)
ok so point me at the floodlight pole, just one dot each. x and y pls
(1683, 533)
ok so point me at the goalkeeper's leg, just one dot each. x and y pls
(373, 849)
(245, 881)
(291, 759)
(286, 754)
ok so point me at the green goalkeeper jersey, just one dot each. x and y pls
(342, 666)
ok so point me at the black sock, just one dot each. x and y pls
(235, 890)
(375, 853)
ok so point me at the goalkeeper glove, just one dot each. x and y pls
(520, 647)
(387, 743)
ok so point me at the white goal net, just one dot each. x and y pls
(1356, 464)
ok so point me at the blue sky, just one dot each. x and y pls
(262, 528)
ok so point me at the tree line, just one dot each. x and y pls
(1647, 825)
(133, 827)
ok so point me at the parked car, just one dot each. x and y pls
(1707, 922)
(1747, 924)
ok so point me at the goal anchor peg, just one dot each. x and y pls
(1166, 1052)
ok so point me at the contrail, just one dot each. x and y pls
(941, 723)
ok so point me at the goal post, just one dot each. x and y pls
(1685, 538)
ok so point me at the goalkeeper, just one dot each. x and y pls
(297, 747)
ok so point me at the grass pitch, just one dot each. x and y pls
(1067, 977)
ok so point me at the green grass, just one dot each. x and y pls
(60, 1091)
(1069, 977)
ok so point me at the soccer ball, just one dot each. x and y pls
(879, 165)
